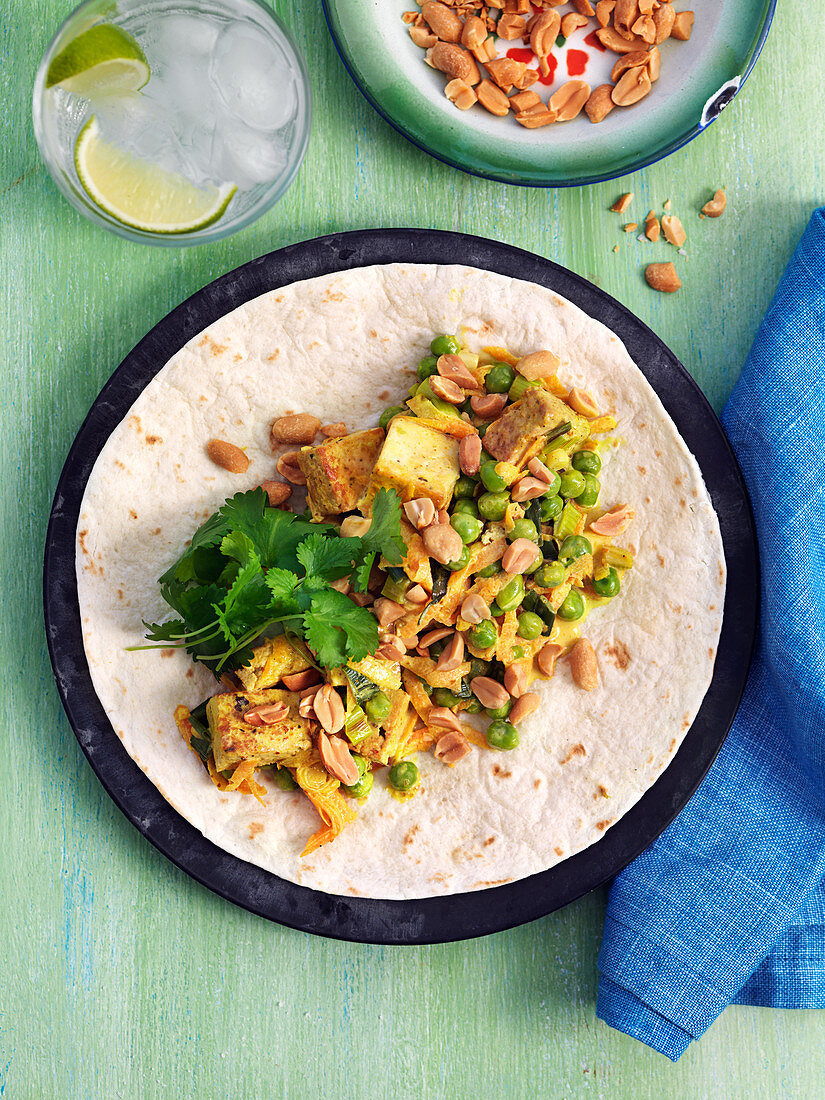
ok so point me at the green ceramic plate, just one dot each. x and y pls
(698, 79)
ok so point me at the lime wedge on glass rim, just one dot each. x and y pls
(102, 60)
(140, 194)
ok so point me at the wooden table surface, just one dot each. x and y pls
(123, 978)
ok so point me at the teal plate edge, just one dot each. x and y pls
(713, 109)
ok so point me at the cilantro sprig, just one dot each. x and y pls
(252, 570)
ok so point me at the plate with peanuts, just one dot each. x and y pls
(545, 93)
(512, 500)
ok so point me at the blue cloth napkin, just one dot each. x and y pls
(728, 905)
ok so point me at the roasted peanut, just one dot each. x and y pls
(547, 656)
(329, 710)
(523, 101)
(663, 17)
(571, 22)
(544, 31)
(454, 369)
(584, 7)
(387, 611)
(600, 103)
(455, 62)
(523, 707)
(337, 759)
(515, 678)
(474, 609)
(715, 207)
(392, 647)
(453, 654)
(621, 204)
(568, 101)
(228, 456)
(624, 15)
(474, 32)
(277, 491)
(443, 543)
(298, 681)
(489, 406)
(451, 748)
(296, 428)
(510, 27)
(267, 715)
(673, 230)
(432, 636)
(582, 402)
(539, 364)
(461, 94)
(615, 522)
(444, 388)
(583, 665)
(442, 20)
(354, 527)
(504, 71)
(652, 227)
(492, 99)
(682, 25)
(519, 556)
(633, 86)
(469, 454)
(532, 120)
(443, 718)
(662, 277)
(420, 512)
(418, 595)
(612, 40)
(288, 467)
(335, 430)
(528, 488)
(423, 37)
(489, 692)
(604, 9)
(540, 471)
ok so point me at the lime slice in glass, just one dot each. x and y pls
(100, 61)
(141, 194)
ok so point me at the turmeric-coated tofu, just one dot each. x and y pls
(526, 421)
(273, 659)
(338, 471)
(417, 461)
(234, 741)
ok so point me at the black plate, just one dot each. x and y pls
(430, 920)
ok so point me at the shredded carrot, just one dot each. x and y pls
(322, 791)
(602, 424)
(417, 562)
(398, 724)
(557, 388)
(507, 638)
(184, 725)
(502, 355)
(418, 696)
(450, 425)
(424, 668)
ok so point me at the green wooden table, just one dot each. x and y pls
(121, 977)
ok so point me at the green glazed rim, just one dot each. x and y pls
(699, 78)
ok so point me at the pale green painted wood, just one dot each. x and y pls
(121, 978)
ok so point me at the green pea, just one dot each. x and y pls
(549, 575)
(511, 595)
(492, 480)
(554, 486)
(479, 667)
(445, 345)
(483, 634)
(387, 415)
(427, 367)
(573, 606)
(465, 506)
(607, 586)
(551, 507)
(489, 570)
(572, 483)
(473, 707)
(461, 562)
(502, 735)
(499, 378)
(523, 529)
(482, 429)
(573, 547)
(589, 496)
(499, 712)
(586, 461)
(403, 775)
(443, 697)
(283, 779)
(469, 527)
(495, 610)
(363, 787)
(464, 487)
(493, 505)
(530, 626)
(378, 708)
(518, 652)
(534, 565)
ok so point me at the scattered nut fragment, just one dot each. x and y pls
(329, 710)
(490, 693)
(469, 454)
(533, 120)
(631, 227)
(515, 678)
(510, 27)
(453, 655)
(474, 33)
(584, 665)
(571, 22)
(305, 707)
(582, 402)
(604, 9)
(444, 388)
(451, 748)
(504, 71)
(461, 94)
(392, 648)
(615, 522)
(673, 230)
(227, 455)
(443, 718)
(538, 364)
(335, 430)
(277, 491)
(600, 104)
(456, 370)
(624, 15)
(662, 277)
(296, 428)
(547, 656)
(544, 30)
(540, 471)
(584, 7)
(489, 406)
(418, 595)
(354, 527)
(524, 101)
(683, 25)
(299, 681)
(612, 40)
(431, 637)
(523, 707)
(457, 63)
(519, 556)
(652, 227)
(633, 86)
(443, 542)
(288, 467)
(528, 488)
(492, 99)
(423, 37)
(387, 611)
(268, 715)
(337, 759)
(569, 100)
(664, 17)
(442, 21)
(475, 609)
(621, 204)
(420, 512)
(715, 207)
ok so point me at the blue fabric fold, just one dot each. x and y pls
(728, 905)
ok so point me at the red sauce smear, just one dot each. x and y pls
(593, 41)
(527, 56)
(576, 62)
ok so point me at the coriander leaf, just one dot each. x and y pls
(384, 534)
(247, 602)
(173, 631)
(209, 534)
(362, 573)
(281, 583)
(336, 630)
(244, 511)
(327, 556)
(239, 546)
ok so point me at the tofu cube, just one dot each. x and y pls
(522, 423)
(233, 741)
(275, 658)
(416, 461)
(338, 471)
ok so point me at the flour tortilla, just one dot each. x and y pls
(343, 347)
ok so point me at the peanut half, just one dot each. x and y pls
(662, 277)
(296, 428)
(584, 665)
(227, 455)
(715, 207)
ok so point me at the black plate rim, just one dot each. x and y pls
(577, 181)
(428, 920)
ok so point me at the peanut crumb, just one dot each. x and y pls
(621, 204)
(631, 227)
(668, 204)
(615, 248)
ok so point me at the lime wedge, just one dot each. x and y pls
(100, 61)
(141, 194)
